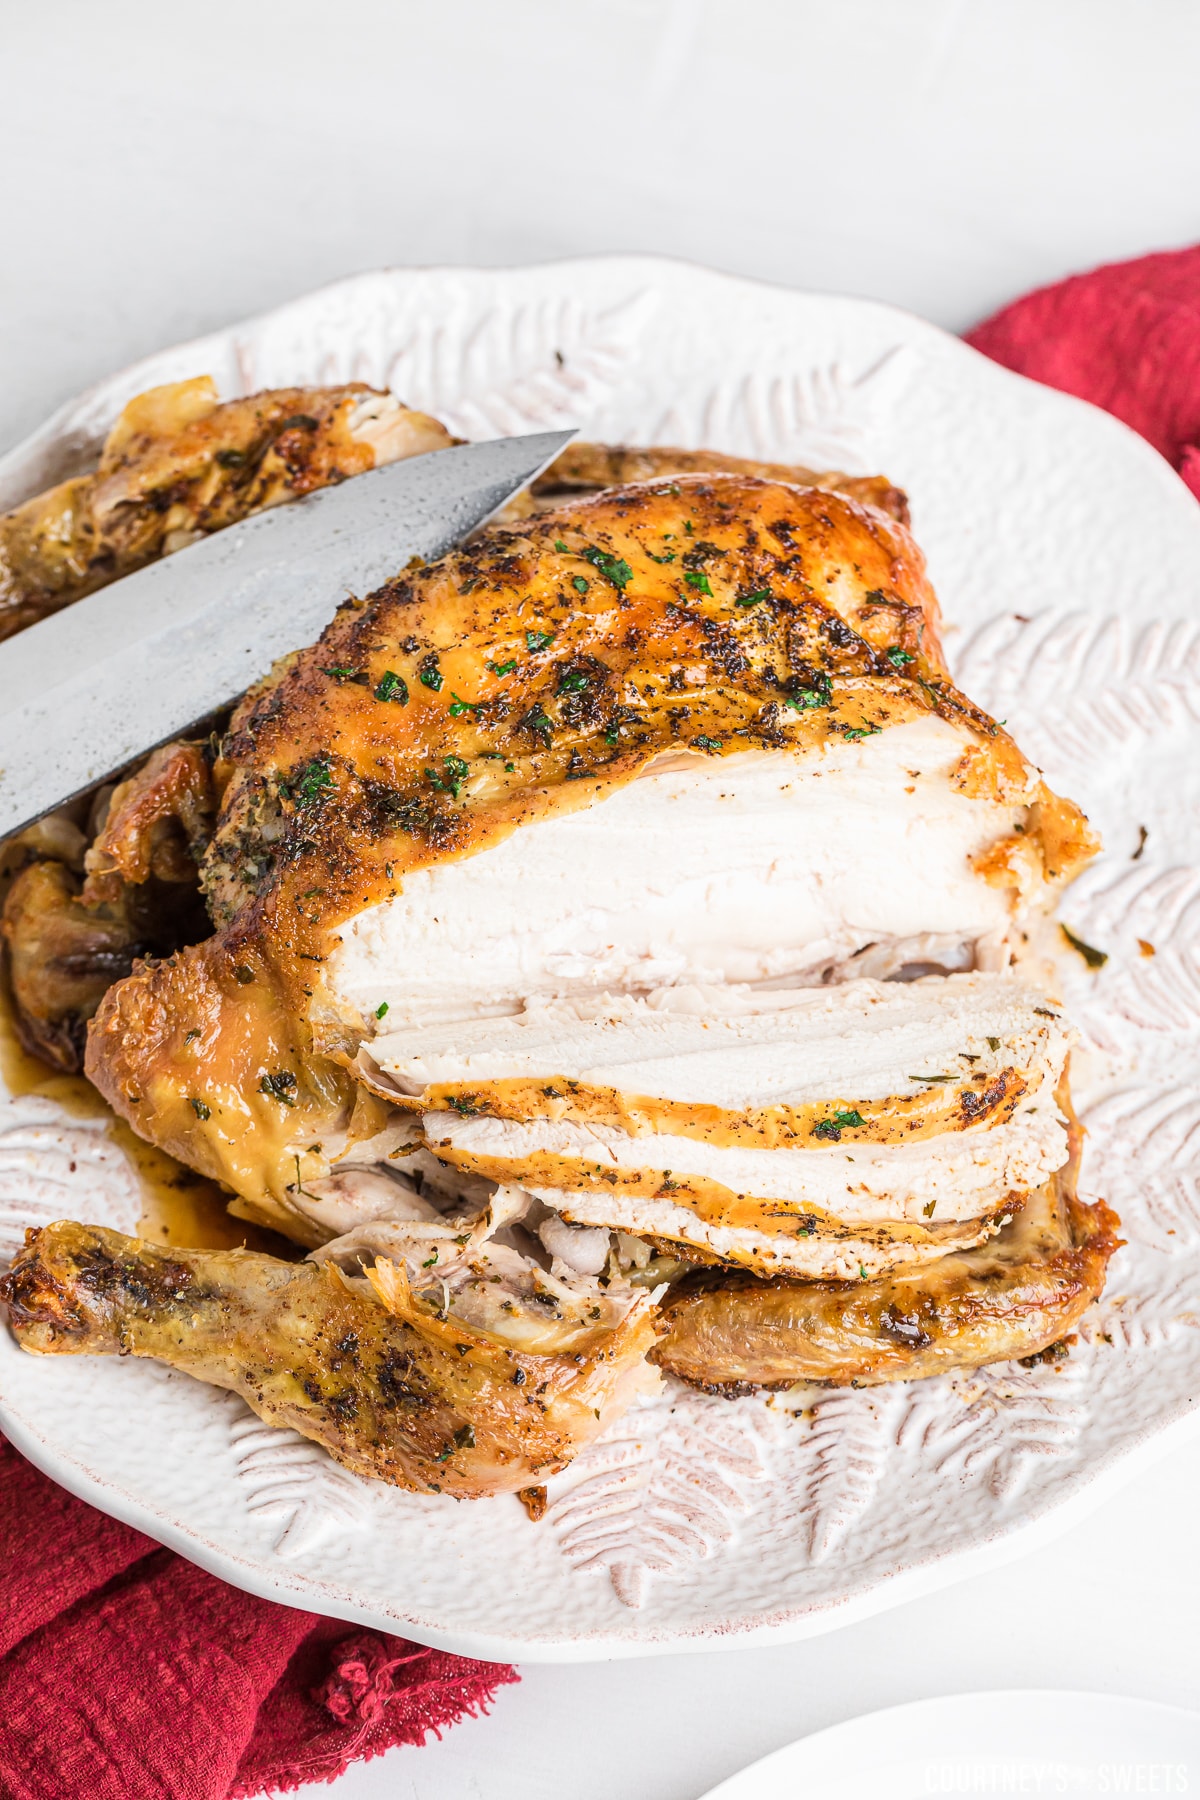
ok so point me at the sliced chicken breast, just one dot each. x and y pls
(659, 737)
(825, 1131)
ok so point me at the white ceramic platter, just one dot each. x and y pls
(998, 1743)
(1067, 557)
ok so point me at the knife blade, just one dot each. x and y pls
(86, 691)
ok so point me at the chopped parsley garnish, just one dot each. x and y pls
(231, 459)
(707, 743)
(340, 672)
(313, 782)
(992, 1043)
(538, 640)
(459, 707)
(200, 1109)
(805, 698)
(564, 549)
(929, 1078)
(381, 1009)
(280, 1086)
(668, 558)
(854, 733)
(504, 668)
(430, 1263)
(1095, 959)
(535, 721)
(841, 1121)
(456, 772)
(572, 681)
(700, 582)
(392, 687)
(927, 1209)
(753, 599)
(613, 568)
(613, 735)
(429, 675)
(898, 657)
(688, 527)
(580, 583)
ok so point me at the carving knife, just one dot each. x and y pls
(88, 690)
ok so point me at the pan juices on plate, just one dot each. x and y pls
(611, 972)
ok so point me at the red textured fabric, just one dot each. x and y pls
(1126, 337)
(127, 1673)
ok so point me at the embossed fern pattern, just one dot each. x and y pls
(660, 1490)
(54, 1166)
(1148, 920)
(1144, 1149)
(835, 1454)
(997, 1425)
(550, 363)
(1080, 688)
(285, 1477)
(825, 415)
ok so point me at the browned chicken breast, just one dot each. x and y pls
(177, 465)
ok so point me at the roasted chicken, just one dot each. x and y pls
(177, 465)
(616, 929)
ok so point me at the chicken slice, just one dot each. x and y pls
(771, 875)
(502, 777)
(177, 465)
(392, 1386)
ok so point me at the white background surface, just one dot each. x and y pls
(164, 170)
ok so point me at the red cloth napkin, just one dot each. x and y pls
(127, 1673)
(1126, 337)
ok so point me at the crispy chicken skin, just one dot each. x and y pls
(390, 1389)
(176, 465)
(534, 673)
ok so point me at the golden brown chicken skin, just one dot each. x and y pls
(532, 673)
(393, 1390)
